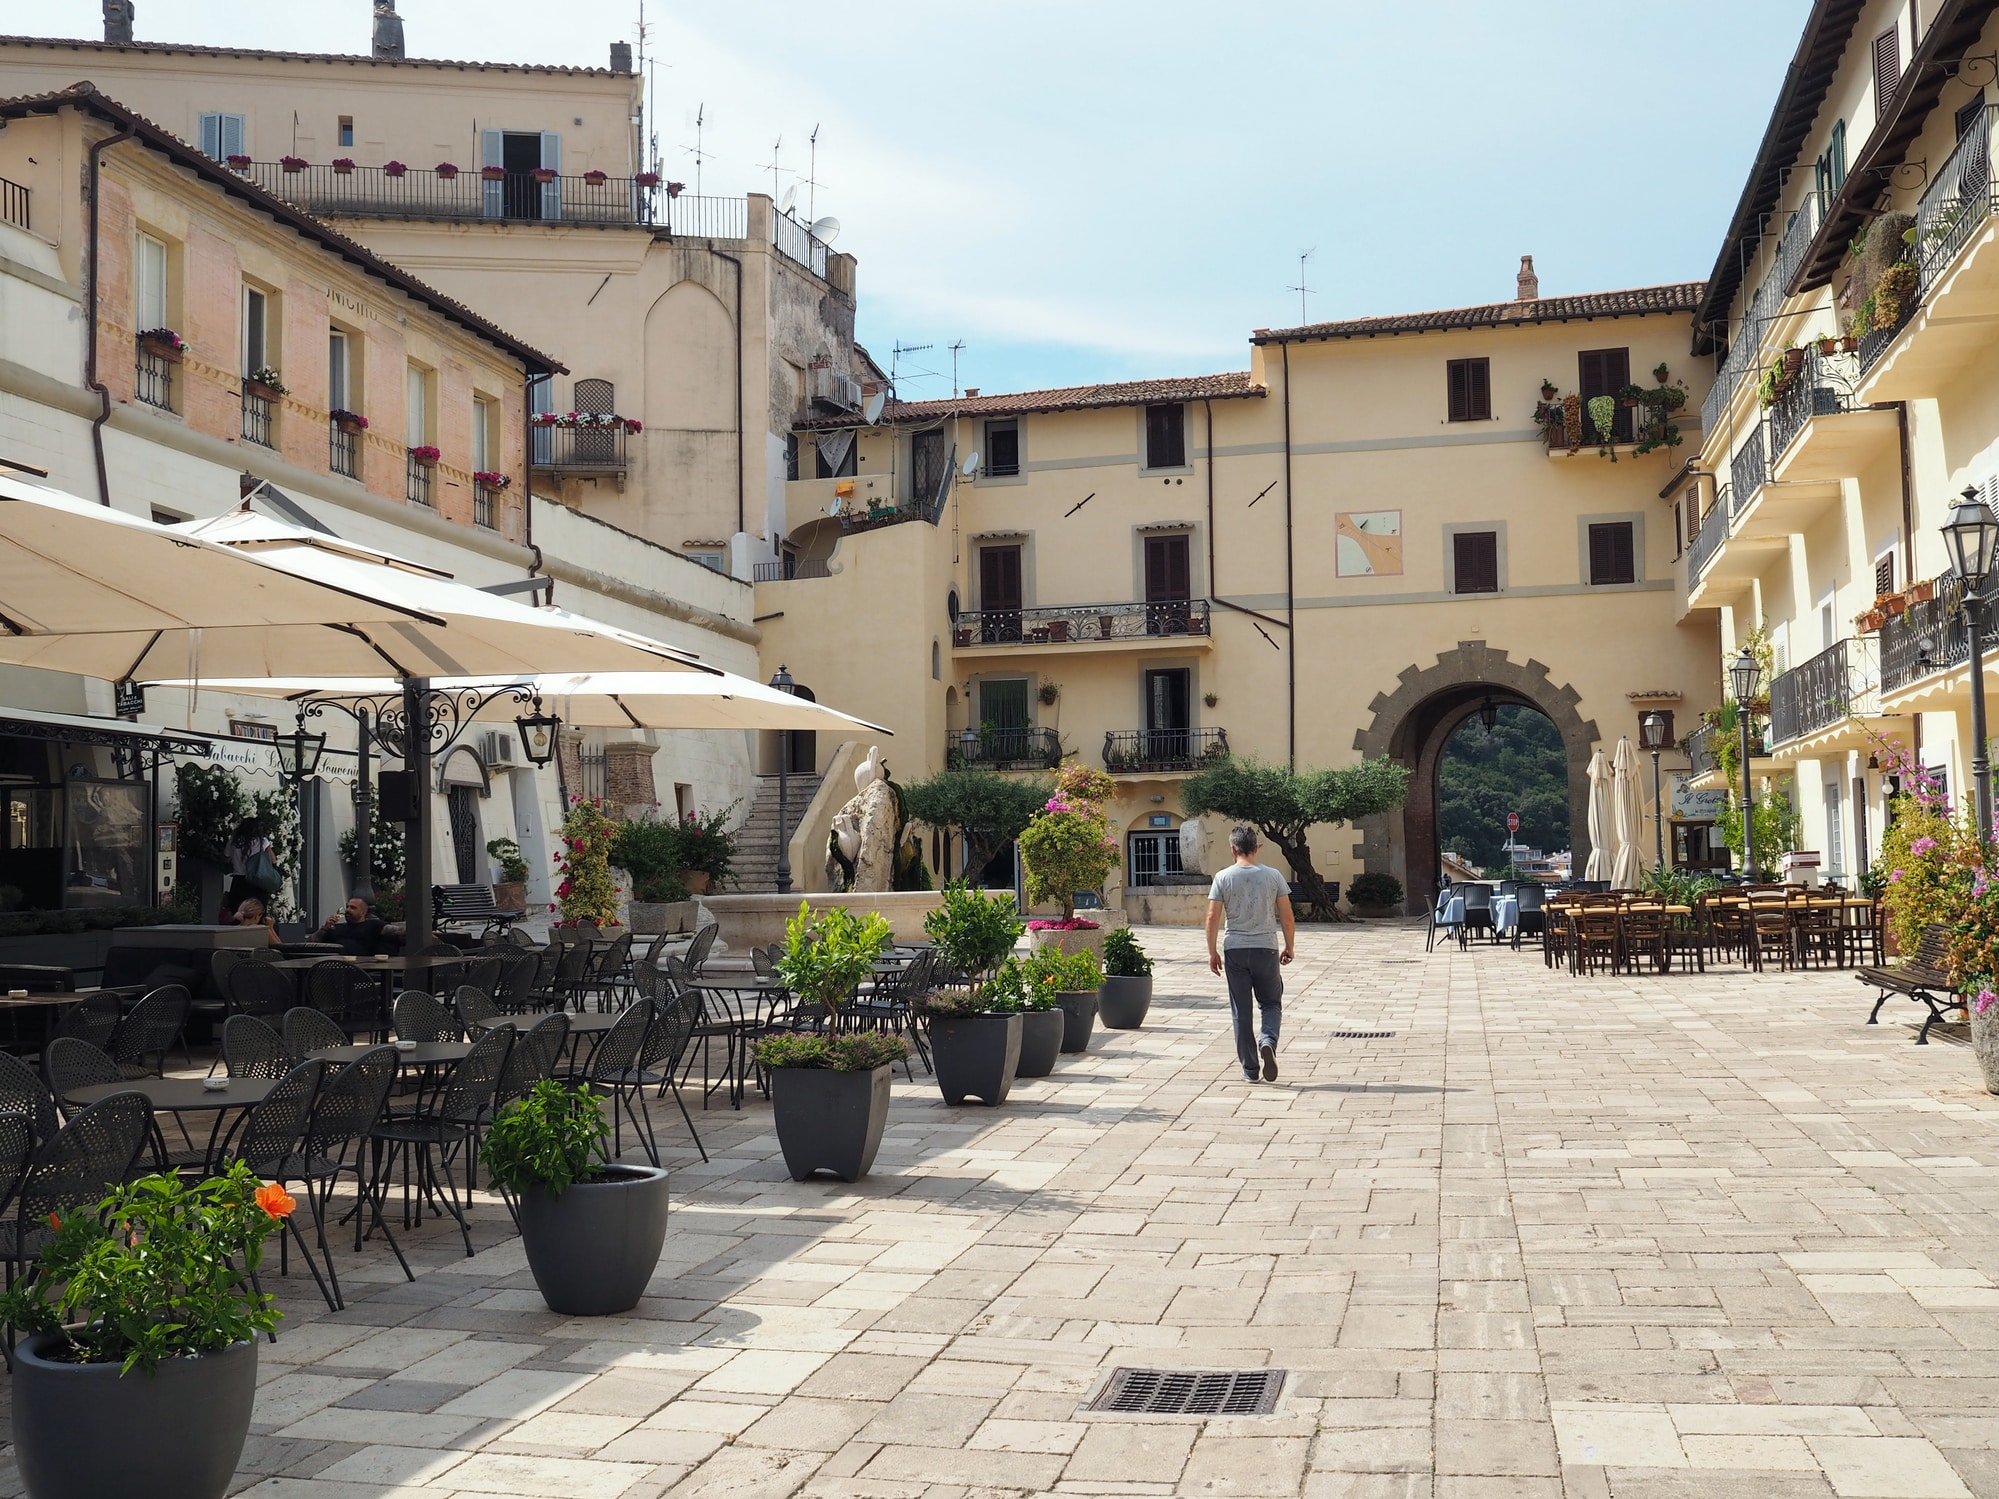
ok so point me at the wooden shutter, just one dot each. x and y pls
(1475, 562)
(1165, 437)
(1884, 576)
(1604, 372)
(999, 577)
(1611, 557)
(221, 136)
(1887, 69)
(1470, 386)
(1168, 573)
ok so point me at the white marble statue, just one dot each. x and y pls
(864, 830)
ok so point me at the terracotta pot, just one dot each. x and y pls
(544, 177)
(347, 426)
(493, 174)
(696, 881)
(1922, 593)
(264, 392)
(160, 349)
(1895, 605)
(511, 895)
(342, 171)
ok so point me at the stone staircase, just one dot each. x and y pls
(756, 843)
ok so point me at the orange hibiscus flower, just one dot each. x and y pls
(276, 1201)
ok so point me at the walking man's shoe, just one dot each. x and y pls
(1269, 1051)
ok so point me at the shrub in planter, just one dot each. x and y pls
(1076, 934)
(1009, 989)
(1376, 895)
(1127, 991)
(974, 1045)
(1069, 844)
(707, 849)
(829, 1097)
(592, 1229)
(973, 931)
(140, 1368)
(650, 850)
(1075, 978)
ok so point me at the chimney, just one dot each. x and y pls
(388, 30)
(621, 57)
(118, 20)
(971, 390)
(1527, 286)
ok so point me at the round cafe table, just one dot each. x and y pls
(183, 1097)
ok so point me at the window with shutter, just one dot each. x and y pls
(1002, 449)
(1887, 69)
(221, 136)
(1165, 437)
(1884, 575)
(1469, 382)
(1604, 372)
(1611, 553)
(1475, 562)
(1168, 575)
(151, 293)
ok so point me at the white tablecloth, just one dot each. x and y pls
(1505, 911)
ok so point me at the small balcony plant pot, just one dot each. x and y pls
(1040, 1042)
(262, 391)
(159, 348)
(1058, 631)
(343, 169)
(1079, 1017)
(1894, 604)
(347, 424)
(544, 176)
(493, 174)
(829, 1121)
(1104, 624)
(1124, 1000)
(593, 1248)
(1923, 592)
(595, 178)
(696, 881)
(82, 1432)
(446, 170)
(1984, 1044)
(511, 895)
(975, 1056)
(393, 169)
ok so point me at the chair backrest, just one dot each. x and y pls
(93, 1019)
(546, 962)
(475, 1009)
(221, 963)
(89, 1156)
(274, 1130)
(533, 1057)
(1532, 898)
(618, 1052)
(308, 1030)
(419, 1017)
(673, 1026)
(336, 987)
(764, 961)
(1477, 897)
(260, 989)
(469, 1089)
(515, 937)
(69, 1064)
(573, 964)
(440, 949)
(17, 1148)
(484, 972)
(251, 1048)
(26, 1096)
(651, 954)
(516, 987)
(150, 1030)
(611, 960)
(1932, 947)
(698, 949)
(350, 1102)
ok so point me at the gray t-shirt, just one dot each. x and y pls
(1249, 894)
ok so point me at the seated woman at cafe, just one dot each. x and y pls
(250, 912)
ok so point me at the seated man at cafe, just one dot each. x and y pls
(356, 929)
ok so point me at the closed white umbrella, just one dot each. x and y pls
(1628, 806)
(1600, 818)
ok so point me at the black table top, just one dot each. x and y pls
(182, 1095)
(423, 1054)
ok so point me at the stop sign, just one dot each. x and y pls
(1512, 822)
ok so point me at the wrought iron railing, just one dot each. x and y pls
(1929, 636)
(482, 505)
(1712, 532)
(153, 378)
(1959, 199)
(1839, 683)
(994, 748)
(1823, 386)
(706, 218)
(789, 568)
(1700, 751)
(1075, 623)
(14, 204)
(416, 481)
(1741, 358)
(1150, 751)
(1791, 249)
(589, 450)
(424, 193)
(796, 242)
(259, 417)
(1748, 469)
(343, 450)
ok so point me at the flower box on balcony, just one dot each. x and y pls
(596, 178)
(163, 342)
(426, 456)
(487, 479)
(493, 174)
(1923, 592)
(446, 170)
(544, 175)
(237, 161)
(647, 179)
(293, 164)
(1892, 603)
(348, 421)
(393, 169)
(344, 165)
(1871, 621)
(263, 390)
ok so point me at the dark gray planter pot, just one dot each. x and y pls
(1040, 1042)
(1123, 1001)
(593, 1248)
(975, 1056)
(829, 1121)
(1079, 1018)
(82, 1432)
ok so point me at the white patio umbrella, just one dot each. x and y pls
(1628, 807)
(1598, 867)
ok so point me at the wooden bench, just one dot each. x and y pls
(468, 905)
(1921, 977)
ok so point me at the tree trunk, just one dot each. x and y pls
(1311, 887)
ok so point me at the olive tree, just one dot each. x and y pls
(989, 809)
(1284, 805)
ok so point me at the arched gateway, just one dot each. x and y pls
(1413, 723)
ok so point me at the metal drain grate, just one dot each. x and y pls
(1191, 1392)
(1362, 1035)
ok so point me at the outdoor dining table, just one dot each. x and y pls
(422, 1054)
(182, 1096)
(734, 1007)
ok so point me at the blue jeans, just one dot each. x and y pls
(1253, 974)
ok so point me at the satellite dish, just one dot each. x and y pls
(872, 411)
(971, 464)
(790, 197)
(826, 230)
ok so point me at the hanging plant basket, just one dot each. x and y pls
(343, 165)
(393, 169)
(595, 178)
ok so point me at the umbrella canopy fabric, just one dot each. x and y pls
(1600, 818)
(1628, 805)
(87, 588)
(400, 617)
(606, 700)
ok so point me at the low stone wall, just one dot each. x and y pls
(1167, 905)
(755, 920)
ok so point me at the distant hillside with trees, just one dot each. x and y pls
(1518, 767)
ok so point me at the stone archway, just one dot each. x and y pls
(1413, 723)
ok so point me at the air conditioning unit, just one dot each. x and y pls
(499, 747)
(836, 389)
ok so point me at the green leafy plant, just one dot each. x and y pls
(1064, 972)
(1680, 887)
(1069, 845)
(159, 1269)
(843, 1051)
(1774, 823)
(988, 808)
(974, 931)
(1015, 985)
(1602, 415)
(960, 1001)
(1375, 889)
(828, 952)
(653, 852)
(266, 374)
(387, 848)
(553, 1138)
(586, 891)
(210, 803)
(507, 854)
(707, 845)
(1123, 957)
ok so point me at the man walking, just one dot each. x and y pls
(1256, 901)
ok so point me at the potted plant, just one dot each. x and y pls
(510, 891)
(1375, 894)
(649, 850)
(591, 1228)
(493, 174)
(972, 931)
(974, 1044)
(1050, 691)
(1548, 390)
(142, 1317)
(393, 169)
(1923, 592)
(1075, 978)
(544, 175)
(707, 850)
(585, 890)
(1069, 845)
(1891, 603)
(1661, 374)
(445, 169)
(293, 164)
(829, 1097)
(491, 479)
(1213, 700)
(1127, 991)
(595, 177)
(347, 421)
(237, 160)
(343, 165)
(163, 342)
(265, 382)
(647, 179)
(426, 455)
(1012, 989)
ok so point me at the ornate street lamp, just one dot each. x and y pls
(1652, 735)
(783, 683)
(1972, 535)
(538, 734)
(1745, 676)
(1488, 714)
(299, 752)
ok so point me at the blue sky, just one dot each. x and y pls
(1106, 191)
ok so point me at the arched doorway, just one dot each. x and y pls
(1515, 766)
(1414, 723)
(804, 742)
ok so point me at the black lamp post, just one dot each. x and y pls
(1652, 736)
(537, 731)
(1744, 676)
(1488, 714)
(783, 683)
(1972, 534)
(298, 761)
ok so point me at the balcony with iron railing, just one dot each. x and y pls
(417, 481)
(260, 409)
(993, 747)
(1711, 533)
(1160, 622)
(1838, 684)
(343, 450)
(581, 452)
(1163, 751)
(796, 242)
(1821, 386)
(509, 196)
(153, 377)
(14, 202)
(1705, 762)
(1761, 315)
(790, 568)
(1701, 758)
(1929, 636)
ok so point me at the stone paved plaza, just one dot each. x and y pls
(1648, 1237)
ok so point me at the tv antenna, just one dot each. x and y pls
(1301, 288)
(776, 147)
(895, 357)
(812, 175)
(700, 120)
(956, 348)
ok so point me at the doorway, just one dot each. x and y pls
(999, 595)
(1168, 584)
(1150, 855)
(521, 156)
(463, 805)
(804, 743)
(1518, 766)
(1169, 710)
